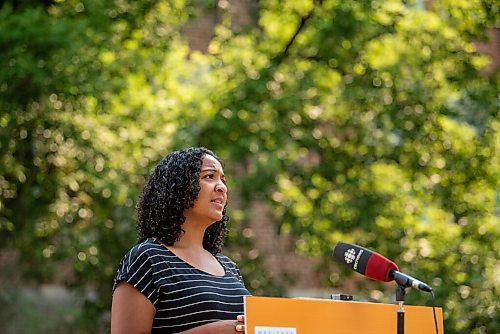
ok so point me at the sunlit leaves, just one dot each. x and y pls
(365, 121)
(89, 103)
(381, 128)
(280, 19)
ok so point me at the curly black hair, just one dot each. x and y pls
(172, 187)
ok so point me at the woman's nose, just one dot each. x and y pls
(220, 186)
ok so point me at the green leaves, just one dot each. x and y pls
(371, 122)
(368, 143)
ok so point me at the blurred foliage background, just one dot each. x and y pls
(373, 122)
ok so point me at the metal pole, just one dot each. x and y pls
(400, 298)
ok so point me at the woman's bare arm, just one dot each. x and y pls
(131, 311)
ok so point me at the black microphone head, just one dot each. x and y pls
(353, 256)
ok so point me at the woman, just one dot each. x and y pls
(175, 280)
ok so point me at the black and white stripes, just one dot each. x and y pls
(184, 297)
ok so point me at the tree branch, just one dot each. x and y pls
(303, 21)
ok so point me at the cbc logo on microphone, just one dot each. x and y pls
(350, 255)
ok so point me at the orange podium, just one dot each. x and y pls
(269, 315)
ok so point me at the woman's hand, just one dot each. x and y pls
(220, 327)
(240, 324)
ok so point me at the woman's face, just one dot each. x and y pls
(212, 197)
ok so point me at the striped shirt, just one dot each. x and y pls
(184, 297)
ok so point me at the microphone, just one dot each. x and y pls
(374, 266)
(408, 281)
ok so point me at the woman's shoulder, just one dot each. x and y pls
(146, 249)
(226, 260)
(139, 265)
(145, 254)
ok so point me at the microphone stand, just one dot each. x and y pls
(400, 298)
